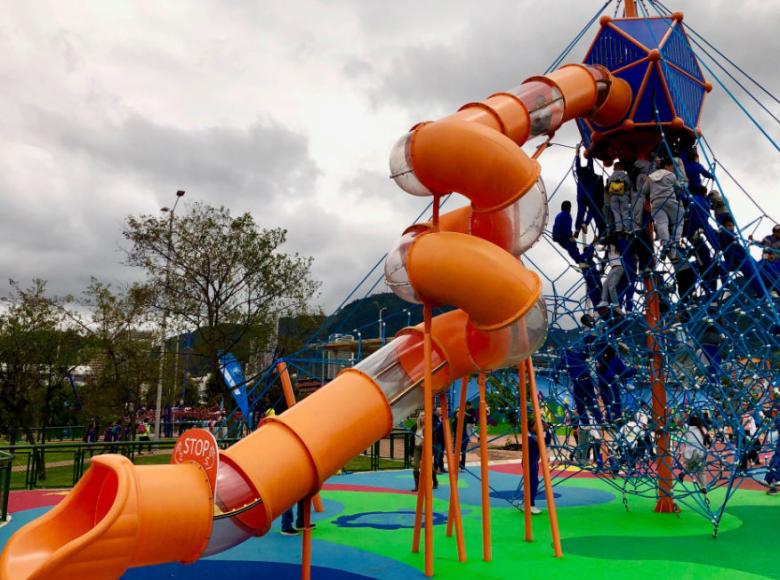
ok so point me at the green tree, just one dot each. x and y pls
(222, 276)
(119, 350)
(38, 352)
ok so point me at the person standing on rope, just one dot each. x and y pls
(640, 247)
(562, 234)
(615, 373)
(698, 220)
(610, 295)
(769, 268)
(719, 208)
(710, 343)
(619, 191)
(682, 177)
(661, 187)
(590, 197)
(694, 171)
(772, 241)
(737, 258)
(592, 276)
(708, 270)
(574, 360)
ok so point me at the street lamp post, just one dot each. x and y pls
(158, 407)
(380, 321)
(360, 343)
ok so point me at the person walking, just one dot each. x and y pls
(438, 442)
(469, 421)
(773, 469)
(287, 521)
(418, 450)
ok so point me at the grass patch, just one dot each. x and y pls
(55, 477)
(500, 429)
(62, 476)
(363, 463)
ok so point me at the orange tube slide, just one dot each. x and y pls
(584, 91)
(121, 515)
(440, 267)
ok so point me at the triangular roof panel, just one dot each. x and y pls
(652, 98)
(648, 31)
(687, 94)
(613, 50)
(678, 50)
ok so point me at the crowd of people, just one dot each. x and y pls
(695, 232)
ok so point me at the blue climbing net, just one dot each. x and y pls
(700, 320)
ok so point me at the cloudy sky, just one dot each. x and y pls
(288, 110)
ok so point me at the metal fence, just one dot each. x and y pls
(6, 462)
(77, 432)
(393, 451)
(42, 456)
(397, 446)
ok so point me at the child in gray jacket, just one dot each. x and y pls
(667, 211)
(619, 190)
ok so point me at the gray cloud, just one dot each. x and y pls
(288, 112)
(266, 161)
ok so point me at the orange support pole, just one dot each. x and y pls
(483, 468)
(523, 402)
(665, 503)
(452, 471)
(418, 519)
(289, 398)
(556, 536)
(464, 384)
(630, 8)
(427, 453)
(306, 548)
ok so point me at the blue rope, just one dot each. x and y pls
(726, 58)
(724, 87)
(576, 39)
(381, 260)
(739, 84)
(717, 161)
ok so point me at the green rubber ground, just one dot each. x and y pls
(599, 541)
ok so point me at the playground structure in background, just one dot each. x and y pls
(120, 515)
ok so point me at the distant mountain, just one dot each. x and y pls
(363, 315)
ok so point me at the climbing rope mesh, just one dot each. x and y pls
(717, 338)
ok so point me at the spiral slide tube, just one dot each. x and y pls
(122, 515)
